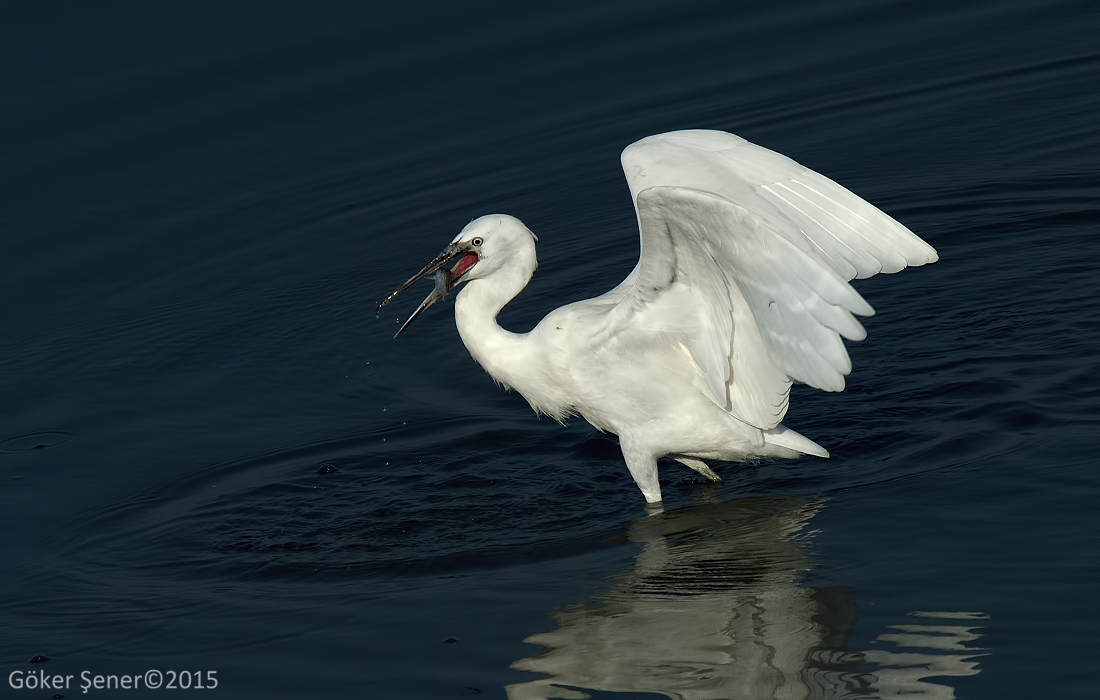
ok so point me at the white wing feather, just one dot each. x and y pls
(746, 257)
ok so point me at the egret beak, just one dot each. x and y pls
(445, 280)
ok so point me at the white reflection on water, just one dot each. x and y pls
(713, 610)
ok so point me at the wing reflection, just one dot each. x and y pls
(713, 610)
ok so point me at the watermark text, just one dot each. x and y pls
(152, 679)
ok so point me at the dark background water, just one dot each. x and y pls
(201, 204)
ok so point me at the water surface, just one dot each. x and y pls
(214, 457)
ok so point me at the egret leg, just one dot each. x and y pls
(699, 466)
(643, 467)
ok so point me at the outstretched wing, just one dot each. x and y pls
(746, 257)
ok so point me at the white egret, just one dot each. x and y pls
(741, 289)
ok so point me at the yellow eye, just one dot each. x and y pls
(476, 241)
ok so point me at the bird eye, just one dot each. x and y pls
(477, 241)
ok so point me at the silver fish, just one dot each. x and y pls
(444, 282)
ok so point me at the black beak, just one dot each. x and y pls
(444, 281)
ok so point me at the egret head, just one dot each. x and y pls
(486, 245)
(498, 240)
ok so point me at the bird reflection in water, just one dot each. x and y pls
(713, 610)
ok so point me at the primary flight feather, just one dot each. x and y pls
(741, 288)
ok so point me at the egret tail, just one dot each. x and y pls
(784, 438)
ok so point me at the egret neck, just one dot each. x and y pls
(508, 357)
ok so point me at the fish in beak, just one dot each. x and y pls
(445, 280)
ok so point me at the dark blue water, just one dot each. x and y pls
(213, 457)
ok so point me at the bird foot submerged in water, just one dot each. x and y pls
(701, 467)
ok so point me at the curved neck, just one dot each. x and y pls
(503, 354)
